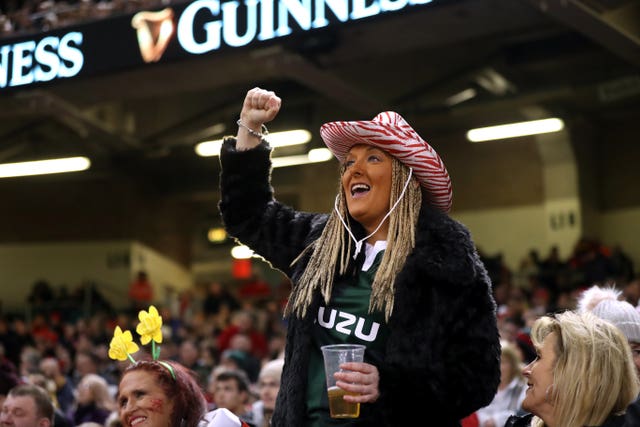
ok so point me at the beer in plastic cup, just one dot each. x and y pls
(334, 355)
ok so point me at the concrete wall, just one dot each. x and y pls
(111, 265)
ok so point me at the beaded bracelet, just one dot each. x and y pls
(260, 135)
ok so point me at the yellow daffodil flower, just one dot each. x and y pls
(150, 326)
(122, 345)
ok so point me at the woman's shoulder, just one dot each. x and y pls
(445, 248)
(441, 223)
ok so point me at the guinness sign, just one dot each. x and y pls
(174, 33)
(263, 20)
(42, 60)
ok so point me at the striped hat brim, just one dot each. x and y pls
(390, 132)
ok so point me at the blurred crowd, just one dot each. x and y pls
(226, 337)
(20, 17)
(227, 333)
(548, 284)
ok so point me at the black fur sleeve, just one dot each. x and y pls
(252, 216)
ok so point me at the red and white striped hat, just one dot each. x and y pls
(391, 133)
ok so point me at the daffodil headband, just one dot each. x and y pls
(149, 329)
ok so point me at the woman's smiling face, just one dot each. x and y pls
(539, 374)
(366, 182)
(142, 402)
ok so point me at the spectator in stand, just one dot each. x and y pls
(44, 337)
(501, 294)
(239, 355)
(513, 330)
(232, 393)
(622, 265)
(11, 341)
(270, 319)
(277, 343)
(584, 374)
(23, 337)
(540, 300)
(217, 296)
(23, 17)
(511, 390)
(523, 341)
(529, 268)
(86, 362)
(605, 303)
(436, 347)
(592, 263)
(59, 383)
(162, 393)
(27, 406)
(243, 322)
(60, 419)
(94, 401)
(41, 294)
(140, 292)
(30, 359)
(8, 379)
(210, 390)
(189, 357)
(188, 305)
(268, 386)
(550, 269)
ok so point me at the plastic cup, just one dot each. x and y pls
(333, 356)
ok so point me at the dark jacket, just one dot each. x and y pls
(519, 421)
(632, 417)
(442, 357)
(612, 421)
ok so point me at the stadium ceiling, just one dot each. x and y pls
(447, 66)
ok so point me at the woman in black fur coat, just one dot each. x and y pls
(388, 269)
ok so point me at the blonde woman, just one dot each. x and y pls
(584, 374)
(94, 401)
(387, 268)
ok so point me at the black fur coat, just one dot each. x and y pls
(442, 358)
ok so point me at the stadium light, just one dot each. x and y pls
(513, 130)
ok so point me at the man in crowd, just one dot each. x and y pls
(27, 406)
(232, 392)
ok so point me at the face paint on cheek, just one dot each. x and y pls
(157, 404)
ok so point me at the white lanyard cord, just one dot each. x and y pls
(359, 242)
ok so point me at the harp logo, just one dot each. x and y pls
(154, 31)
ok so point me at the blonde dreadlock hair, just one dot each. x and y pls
(334, 246)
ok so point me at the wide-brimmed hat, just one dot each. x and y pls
(391, 133)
